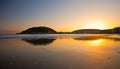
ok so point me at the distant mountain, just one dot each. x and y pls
(115, 30)
(39, 30)
(84, 31)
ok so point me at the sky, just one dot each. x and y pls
(61, 15)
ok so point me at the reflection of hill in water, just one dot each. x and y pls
(97, 37)
(43, 41)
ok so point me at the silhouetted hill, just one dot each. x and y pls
(115, 30)
(47, 30)
(84, 31)
(38, 30)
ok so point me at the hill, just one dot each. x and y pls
(47, 30)
(115, 30)
(39, 30)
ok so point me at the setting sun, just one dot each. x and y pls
(95, 25)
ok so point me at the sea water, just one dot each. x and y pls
(60, 51)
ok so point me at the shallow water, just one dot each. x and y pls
(60, 51)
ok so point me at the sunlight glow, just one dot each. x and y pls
(96, 42)
(95, 25)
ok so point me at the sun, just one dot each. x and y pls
(95, 25)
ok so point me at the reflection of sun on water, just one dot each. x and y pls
(96, 42)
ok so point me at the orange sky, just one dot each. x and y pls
(61, 15)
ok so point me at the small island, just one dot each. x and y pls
(47, 30)
(39, 30)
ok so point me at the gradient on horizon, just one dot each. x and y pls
(61, 15)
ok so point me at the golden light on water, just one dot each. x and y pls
(95, 25)
(96, 42)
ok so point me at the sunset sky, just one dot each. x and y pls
(61, 15)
